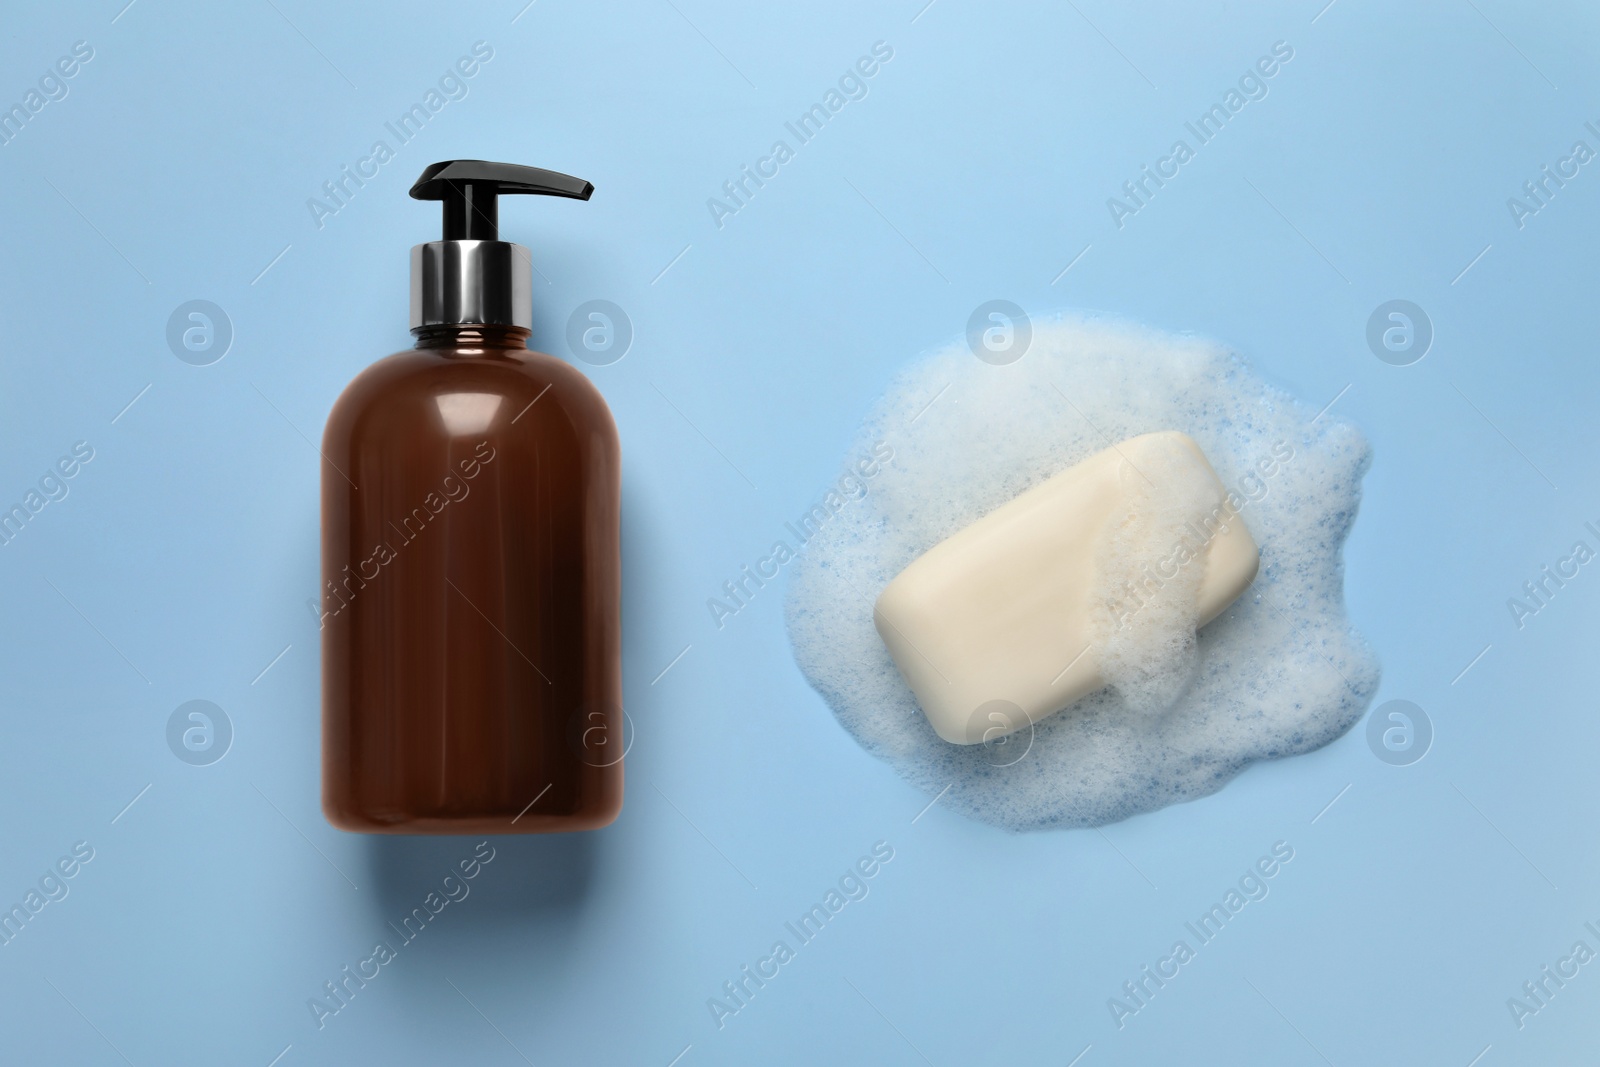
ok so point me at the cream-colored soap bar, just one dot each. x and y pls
(1026, 604)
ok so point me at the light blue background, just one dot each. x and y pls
(981, 160)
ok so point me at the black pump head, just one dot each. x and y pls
(471, 276)
(470, 189)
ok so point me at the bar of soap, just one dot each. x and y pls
(1088, 579)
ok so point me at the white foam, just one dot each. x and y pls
(1151, 656)
(1281, 672)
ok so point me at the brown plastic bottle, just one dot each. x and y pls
(470, 555)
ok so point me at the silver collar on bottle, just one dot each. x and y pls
(464, 282)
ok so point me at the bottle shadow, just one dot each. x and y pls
(481, 911)
(473, 884)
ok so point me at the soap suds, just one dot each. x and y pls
(1279, 673)
(1144, 633)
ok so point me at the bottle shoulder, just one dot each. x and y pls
(420, 386)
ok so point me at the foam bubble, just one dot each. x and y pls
(1279, 673)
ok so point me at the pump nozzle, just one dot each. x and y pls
(470, 189)
(471, 276)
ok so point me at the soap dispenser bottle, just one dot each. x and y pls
(471, 674)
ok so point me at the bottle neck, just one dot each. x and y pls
(454, 282)
(469, 338)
